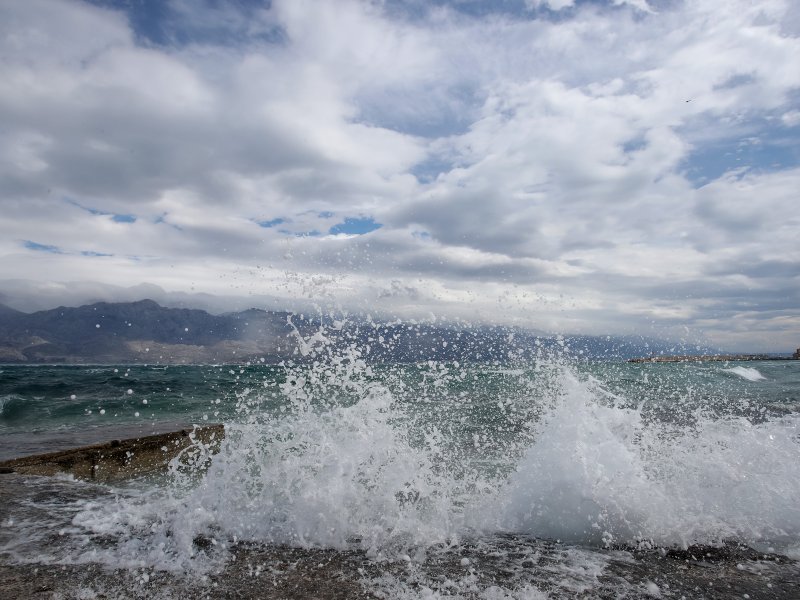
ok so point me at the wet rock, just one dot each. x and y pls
(118, 459)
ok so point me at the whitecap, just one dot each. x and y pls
(748, 373)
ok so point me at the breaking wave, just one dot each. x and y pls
(748, 373)
(397, 461)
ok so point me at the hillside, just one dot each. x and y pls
(139, 332)
(145, 332)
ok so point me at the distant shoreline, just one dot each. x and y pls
(710, 358)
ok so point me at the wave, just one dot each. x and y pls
(748, 373)
(342, 459)
(12, 407)
(599, 474)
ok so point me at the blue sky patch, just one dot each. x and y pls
(42, 247)
(214, 22)
(123, 219)
(271, 223)
(355, 226)
(93, 253)
(763, 143)
(766, 152)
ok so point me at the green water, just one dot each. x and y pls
(45, 407)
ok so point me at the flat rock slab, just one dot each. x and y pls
(43, 556)
(282, 573)
(117, 459)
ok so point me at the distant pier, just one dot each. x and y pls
(713, 358)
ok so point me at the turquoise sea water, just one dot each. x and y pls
(37, 401)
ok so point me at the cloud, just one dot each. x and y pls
(557, 5)
(584, 166)
(791, 118)
(551, 4)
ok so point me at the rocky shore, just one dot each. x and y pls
(533, 566)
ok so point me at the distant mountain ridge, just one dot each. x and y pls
(145, 332)
(140, 331)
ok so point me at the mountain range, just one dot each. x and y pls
(145, 332)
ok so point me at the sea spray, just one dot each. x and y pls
(748, 373)
(333, 454)
(599, 473)
(412, 460)
(344, 465)
(575, 482)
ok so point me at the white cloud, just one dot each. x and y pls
(791, 118)
(556, 155)
(551, 4)
(561, 4)
(47, 33)
(641, 5)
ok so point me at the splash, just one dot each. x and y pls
(403, 460)
(601, 474)
(748, 373)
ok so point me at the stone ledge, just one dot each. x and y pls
(117, 459)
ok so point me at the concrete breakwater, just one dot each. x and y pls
(713, 358)
(118, 459)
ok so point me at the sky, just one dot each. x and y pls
(575, 166)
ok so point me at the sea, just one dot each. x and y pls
(552, 476)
